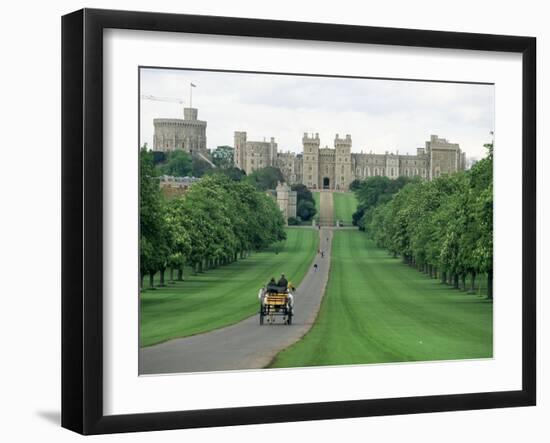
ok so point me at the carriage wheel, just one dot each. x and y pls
(261, 319)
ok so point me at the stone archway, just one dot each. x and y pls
(326, 183)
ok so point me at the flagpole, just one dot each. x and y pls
(190, 95)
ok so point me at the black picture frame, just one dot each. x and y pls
(82, 219)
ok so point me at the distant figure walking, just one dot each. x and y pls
(322, 254)
(315, 267)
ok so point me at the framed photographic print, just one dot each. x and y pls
(269, 221)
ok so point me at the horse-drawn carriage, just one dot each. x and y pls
(276, 301)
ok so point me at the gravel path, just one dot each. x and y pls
(326, 212)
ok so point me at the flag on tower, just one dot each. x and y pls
(193, 85)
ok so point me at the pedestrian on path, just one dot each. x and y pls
(315, 267)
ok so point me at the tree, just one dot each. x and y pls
(355, 185)
(150, 217)
(214, 223)
(222, 156)
(305, 210)
(232, 172)
(372, 192)
(444, 226)
(265, 178)
(158, 157)
(292, 221)
(176, 221)
(305, 203)
(199, 167)
(178, 163)
(302, 192)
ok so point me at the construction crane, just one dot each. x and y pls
(162, 99)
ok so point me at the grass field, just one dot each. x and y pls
(378, 309)
(222, 296)
(317, 199)
(345, 204)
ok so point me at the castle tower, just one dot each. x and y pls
(286, 199)
(240, 150)
(194, 132)
(188, 134)
(342, 171)
(443, 157)
(273, 152)
(311, 160)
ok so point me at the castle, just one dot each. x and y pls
(335, 168)
(316, 167)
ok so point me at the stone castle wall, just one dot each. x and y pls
(253, 155)
(335, 168)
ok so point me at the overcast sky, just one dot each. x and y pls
(380, 115)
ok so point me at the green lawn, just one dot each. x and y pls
(378, 309)
(345, 204)
(222, 296)
(317, 198)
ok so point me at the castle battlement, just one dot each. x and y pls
(314, 137)
(347, 138)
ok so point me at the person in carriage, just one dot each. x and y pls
(282, 286)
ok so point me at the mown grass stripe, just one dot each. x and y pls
(377, 309)
(345, 204)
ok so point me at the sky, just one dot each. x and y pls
(380, 115)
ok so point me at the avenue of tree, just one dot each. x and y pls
(443, 227)
(219, 220)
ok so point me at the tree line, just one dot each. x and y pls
(443, 227)
(216, 222)
(305, 205)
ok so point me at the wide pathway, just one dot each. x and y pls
(326, 211)
(245, 345)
